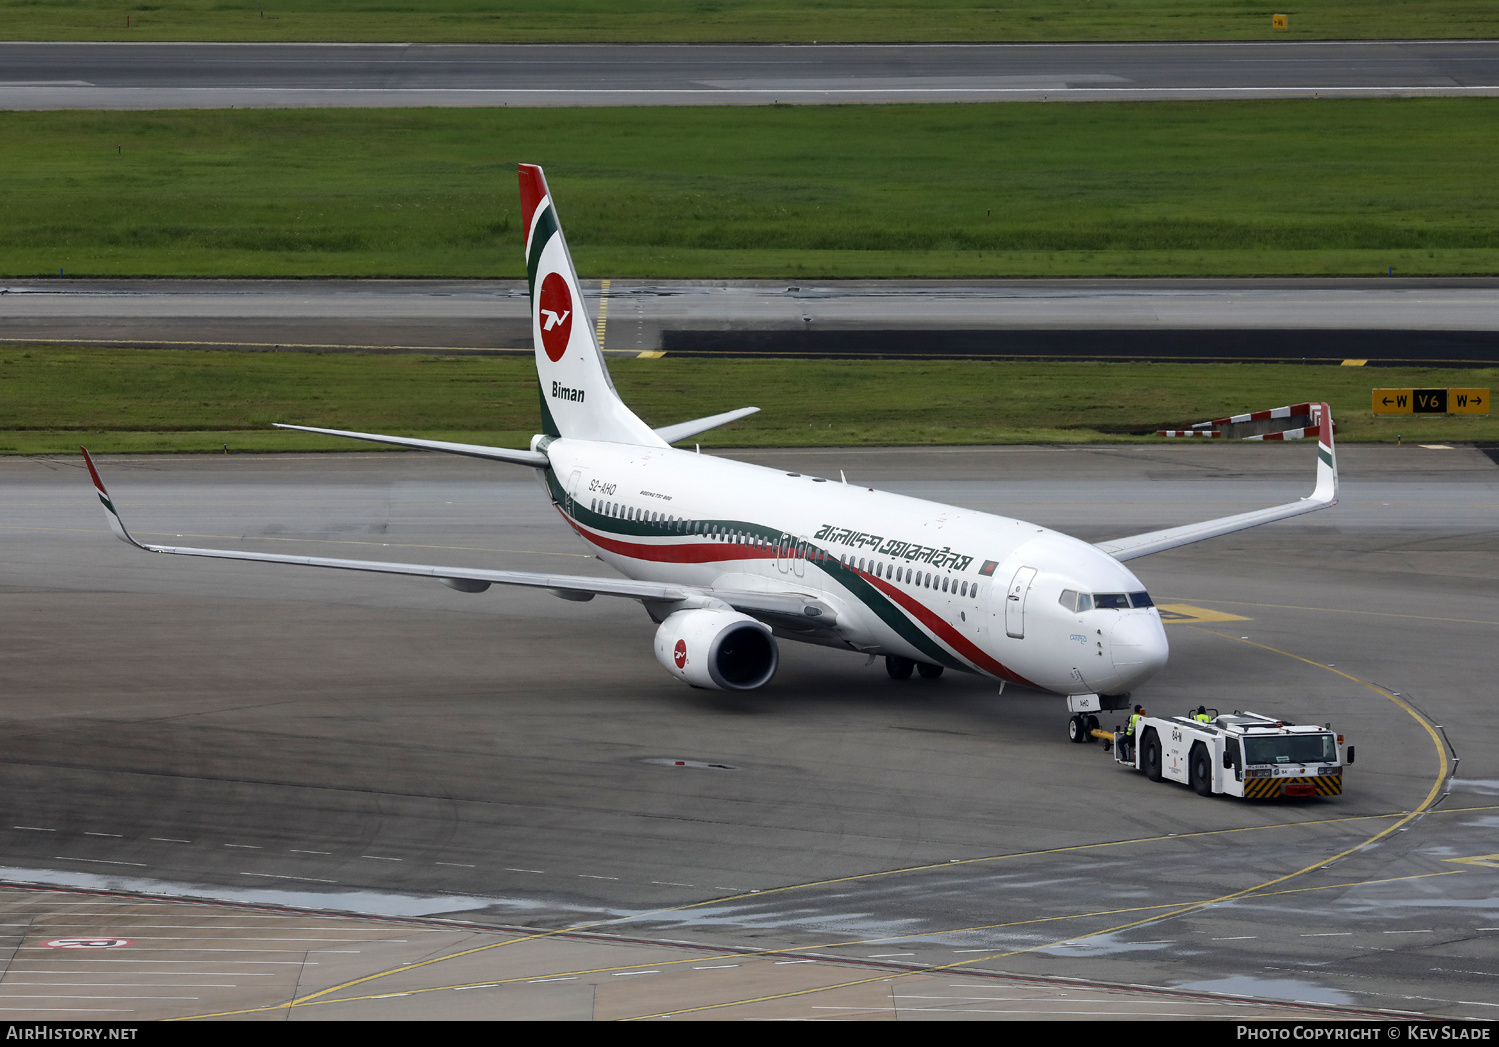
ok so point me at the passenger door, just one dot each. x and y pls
(1020, 585)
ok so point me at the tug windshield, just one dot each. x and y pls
(1290, 748)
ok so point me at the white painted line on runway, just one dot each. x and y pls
(541, 981)
(168, 839)
(132, 985)
(782, 963)
(117, 836)
(628, 974)
(886, 955)
(150, 949)
(296, 851)
(538, 871)
(1329, 934)
(458, 865)
(461, 988)
(251, 927)
(590, 876)
(239, 938)
(381, 858)
(96, 861)
(33, 828)
(278, 876)
(668, 883)
(1240, 938)
(720, 967)
(71, 1010)
(114, 959)
(245, 846)
(39, 996)
(1427, 931)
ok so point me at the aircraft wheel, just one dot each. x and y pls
(899, 668)
(1150, 756)
(1200, 770)
(928, 671)
(1092, 726)
(1077, 730)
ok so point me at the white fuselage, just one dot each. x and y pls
(905, 577)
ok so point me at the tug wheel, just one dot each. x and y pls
(1200, 770)
(1150, 756)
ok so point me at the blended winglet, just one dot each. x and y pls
(1327, 460)
(110, 512)
(1323, 496)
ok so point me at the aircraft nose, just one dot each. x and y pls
(1137, 644)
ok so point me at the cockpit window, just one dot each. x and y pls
(1111, 601)
(1140, 600)
(1068, 599)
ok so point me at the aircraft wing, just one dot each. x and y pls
(1324, 496)
(780, 606)
(514, 456)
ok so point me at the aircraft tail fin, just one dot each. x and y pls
(578, 399)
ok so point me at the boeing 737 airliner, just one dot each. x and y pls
(728, 557)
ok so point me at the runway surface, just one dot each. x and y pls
(175, 76)
(1451, 322)
(835, 845)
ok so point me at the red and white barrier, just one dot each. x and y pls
(1217, 427)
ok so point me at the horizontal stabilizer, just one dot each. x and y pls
(514, 456)
(682, 430)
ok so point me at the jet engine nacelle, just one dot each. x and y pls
(722, 649)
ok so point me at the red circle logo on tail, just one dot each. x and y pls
(680, 654)
(555, 312)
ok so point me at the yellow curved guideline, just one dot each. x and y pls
(1184, 908)
(1430, 799)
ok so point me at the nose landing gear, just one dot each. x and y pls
(1080, 728)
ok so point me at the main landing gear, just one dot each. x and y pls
(900, 668)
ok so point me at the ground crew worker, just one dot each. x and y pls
(1201, 715)
(1130, 730)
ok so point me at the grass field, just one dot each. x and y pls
(574, 21)
(1217, 188)
(115, 400)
